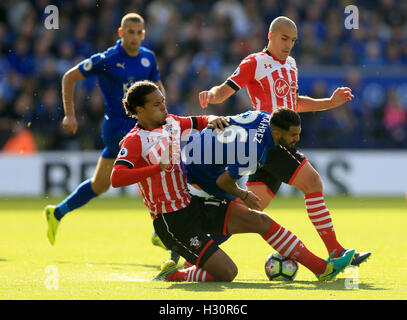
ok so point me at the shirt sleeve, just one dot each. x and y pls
(193, 123)
(236, 171)
(243, 74)
(93, 66)
(124, 171)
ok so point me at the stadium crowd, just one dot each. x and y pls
(198, 44)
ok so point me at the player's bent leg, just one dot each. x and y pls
(86, 191)
(244, 220)
(310, 183)
(218, 267)
(156, 241)
(101, 177)
(170, 273)
(221, 266)
(307, 179)
(263, 192)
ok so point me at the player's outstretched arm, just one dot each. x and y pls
(228, 184)
(215, 95)
(339, 97)
(68, 84)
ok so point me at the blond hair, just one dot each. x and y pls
(135, 17)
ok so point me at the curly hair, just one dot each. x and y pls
(136, 96)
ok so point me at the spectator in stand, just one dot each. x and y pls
(180, 32)
(395, 119)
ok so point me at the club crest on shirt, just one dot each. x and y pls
(237, 71)
(87, 65)
(123, 153)
(194, 242)
(145, 62)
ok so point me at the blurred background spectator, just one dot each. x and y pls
(198, 44)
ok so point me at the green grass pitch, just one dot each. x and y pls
(104, 251)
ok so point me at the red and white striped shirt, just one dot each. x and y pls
(138, 162)
(271, 83)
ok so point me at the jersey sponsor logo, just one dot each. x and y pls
(87, 65)
(145, 62)
(268, 66)
(120, 65)
(281, 87)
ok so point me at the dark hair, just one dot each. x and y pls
(284, 118)
(136, 96)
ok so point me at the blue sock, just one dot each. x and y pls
(76, 199)
(219, 239)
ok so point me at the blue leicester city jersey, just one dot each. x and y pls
(241, 149)
(116, 71)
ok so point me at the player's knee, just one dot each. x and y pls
(258, 222)
(229, 273)
(264, 218)
(225, 270)
(312, 184)
(99, 187)
(315, 183)
(264, 222)
(264, 204)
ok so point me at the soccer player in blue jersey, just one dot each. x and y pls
(215, 160)
(218, 176)
(116, 69)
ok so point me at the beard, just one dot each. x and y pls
(282, 142)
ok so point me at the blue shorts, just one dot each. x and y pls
(113, 131)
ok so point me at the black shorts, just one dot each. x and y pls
(186, 231)
(282, 165)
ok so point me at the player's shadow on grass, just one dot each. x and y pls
(115, 265)
(339, 285)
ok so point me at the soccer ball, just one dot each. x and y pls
(280, 268)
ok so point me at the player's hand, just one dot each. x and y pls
(70, 124)
(341, 95)
(205, 97)
(219, 123)
(165, 161)
(252, 201)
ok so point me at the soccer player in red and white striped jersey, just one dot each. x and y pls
(271, 79)
(162, 191)
(148, 156)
